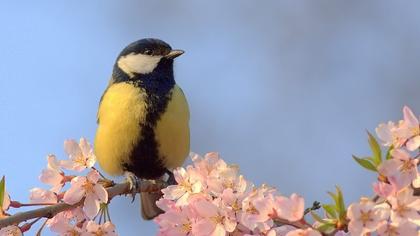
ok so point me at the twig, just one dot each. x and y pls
(51, 211)
(298, 224)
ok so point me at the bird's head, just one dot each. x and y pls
(145, 56)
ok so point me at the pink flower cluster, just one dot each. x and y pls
(211, 198)
(400, 170)
(405, 133)
(395, 210)
(78, 221)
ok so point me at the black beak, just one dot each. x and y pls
(174, 53)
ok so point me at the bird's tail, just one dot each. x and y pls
(149, 210)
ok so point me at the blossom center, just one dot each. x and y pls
(217, 219)
(401, 209)
(365, 217)
(235, 205)
(186, 227)
(415, 130)
(228, 184)
(407, 166)
(88, 186)
(187, 185)
(391, 231)
(99, 233)
(73, 232)
(251, 209)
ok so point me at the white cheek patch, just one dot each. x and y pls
(138, 63)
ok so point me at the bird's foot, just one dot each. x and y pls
(133, 183)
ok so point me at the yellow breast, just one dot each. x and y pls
(120, 113)
(172, 130)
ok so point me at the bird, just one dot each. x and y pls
(143, 118)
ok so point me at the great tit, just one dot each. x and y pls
(143, 117)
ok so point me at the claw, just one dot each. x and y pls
(132, 181)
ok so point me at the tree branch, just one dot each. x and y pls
(51, 211)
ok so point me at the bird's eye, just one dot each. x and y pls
(148, 52)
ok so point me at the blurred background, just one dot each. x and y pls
(284, 89)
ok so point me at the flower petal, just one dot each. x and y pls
(101, 193)
(93, 176)
(71, 147)
(39, 195)
(85, 147)
(413, 143)
(91, 206)
(74, 194)
(205, 208)
(52, 162)
(409, 117)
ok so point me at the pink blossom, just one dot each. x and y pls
(416, 181)
(392, 229)
(177, 222)
(76, 214)
(390, 134)
(61, 223)
(291, 208)
(105, 229)
(384, 189)
(249, 216)
(303, 232)
(232, 200)
(52, 175)
(218, 175)
(406, 132)
(413, 129)
(38, 195)
(166, 204)
(223, 177)
(81, 155)
(405, 207)
(87, 187)
(11, 230)
(214, 221)
(280, 231)
(212, 198)
(401, 170)
(272, 207)
(210, 162)
(189, 183)
(365, 216)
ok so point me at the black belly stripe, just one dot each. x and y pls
(145, 160)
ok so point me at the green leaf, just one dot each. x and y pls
(369, 158)
(388, 153)
(376, 149)
(330, 210)
(325, 228)
(334, 197)
(2, 190)
(318, 218)
(365, 163)
(341, 206)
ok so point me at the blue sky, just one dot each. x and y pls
(285, 89)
